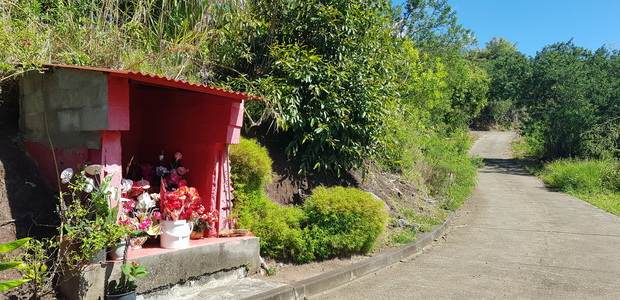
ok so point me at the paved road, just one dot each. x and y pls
(513, 239)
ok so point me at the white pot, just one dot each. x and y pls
(175, 234)
(117, 252)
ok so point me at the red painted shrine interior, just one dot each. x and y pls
(149, 115)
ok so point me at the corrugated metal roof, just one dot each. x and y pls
(163, 81)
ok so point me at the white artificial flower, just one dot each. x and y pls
(126, 185)
(66, 175)
(94, 169)
(145, 202)
(110, 190)
(89, 185)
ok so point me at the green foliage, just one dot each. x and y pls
(594, 181)
(609, 201)
(602, 140)
(332, 222)
(508, 69)
(323, 72)
(88, 220)
(433, 25)
(38, 266)
(251, 167)
(344, 221)
(572, 101)
(131, 272)
(279, 228)
(451, 174)
(582, 176)
(10, 246)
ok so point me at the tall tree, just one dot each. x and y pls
(433, 26)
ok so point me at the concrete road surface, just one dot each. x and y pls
(513, 239)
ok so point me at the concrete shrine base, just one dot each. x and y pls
(205, 260)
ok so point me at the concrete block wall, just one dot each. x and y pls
(72, 105)
(224, 258)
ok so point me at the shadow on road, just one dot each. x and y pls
(501, 165)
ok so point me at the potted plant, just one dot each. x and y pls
(126, 289)
(89, 225)
(202, 221)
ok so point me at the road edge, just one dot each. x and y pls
(332, 279)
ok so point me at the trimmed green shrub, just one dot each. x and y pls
(334, 221)
(343, 221)
(250, 165)
(279, 228)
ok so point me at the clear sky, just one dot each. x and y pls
(538, 23)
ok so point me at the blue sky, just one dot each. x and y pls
(538, 23)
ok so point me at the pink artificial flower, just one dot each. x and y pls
(178, 156)
(142, 226)
(174, 178)
(144, 184)
(182, 182)
(157, 215)
(181, 170)
(129, 205)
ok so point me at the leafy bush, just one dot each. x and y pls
(250, 166)
(279, 228)
(332, 222)
(344, 221)
(582, 176)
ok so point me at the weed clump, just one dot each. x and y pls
(582, 176)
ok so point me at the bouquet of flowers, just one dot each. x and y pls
(202, 220)
(140, 213)
(173, 176)
(179, 204)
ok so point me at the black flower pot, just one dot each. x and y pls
(124, 296)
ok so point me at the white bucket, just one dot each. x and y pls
(175, 234)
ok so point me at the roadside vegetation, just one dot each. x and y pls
(350, 85)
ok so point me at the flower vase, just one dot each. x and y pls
(197, 234)
(175, 234)
(136, 243)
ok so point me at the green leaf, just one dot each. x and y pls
(10, 246)
(7, 285)
(9, 265)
